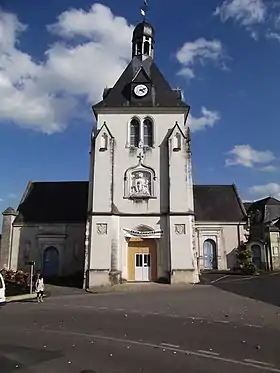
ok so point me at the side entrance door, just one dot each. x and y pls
(51, 262)
(209, 253)
(142, 267)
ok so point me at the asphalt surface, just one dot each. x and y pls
(203, 329)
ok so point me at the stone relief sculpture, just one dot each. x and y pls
(180, 228)
(139, 182)
(101, 228)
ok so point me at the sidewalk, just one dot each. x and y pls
(21, 297)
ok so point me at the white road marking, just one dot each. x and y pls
(221, 321)
(170, 345)
(102, 308)
(258, 362)
(219, 279)
(209, 352)
(159, 346)
(254, 326)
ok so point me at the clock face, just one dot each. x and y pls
(141, 90)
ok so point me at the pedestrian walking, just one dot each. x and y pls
(39, 288)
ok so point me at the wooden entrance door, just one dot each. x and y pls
(142, 260)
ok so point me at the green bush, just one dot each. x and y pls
(244, 260)
(249, 268)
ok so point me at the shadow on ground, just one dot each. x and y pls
(75, 281)
(265, 288)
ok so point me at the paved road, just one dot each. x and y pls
(203, 329)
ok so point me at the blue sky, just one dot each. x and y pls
(57, 56)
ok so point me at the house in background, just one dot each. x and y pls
(264, 232)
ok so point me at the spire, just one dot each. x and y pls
(143, 36)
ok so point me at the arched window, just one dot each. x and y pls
(134, 132)
(148, 132)
(139, 47)
(146, 48)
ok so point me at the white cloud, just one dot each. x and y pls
(246, 12)
(273, 35)
(208, 118)
(265, 190)
(43, 95)
(245, 155)
(258, 17)
(269, 168)
(1, 200)
(200, 51)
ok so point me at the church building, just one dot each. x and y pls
(139, 217)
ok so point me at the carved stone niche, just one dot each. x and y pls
(139, 183)
(176, 142)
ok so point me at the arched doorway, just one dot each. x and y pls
(256, 255)
(210, 254)
(51, 262)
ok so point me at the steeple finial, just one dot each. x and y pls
(144, 10)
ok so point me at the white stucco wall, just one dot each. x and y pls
(124, 157)
(173, 190)
(226, 236)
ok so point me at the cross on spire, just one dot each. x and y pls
(144, 10)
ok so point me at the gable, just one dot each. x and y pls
(54, 202)
(218, 203)
(141, 76)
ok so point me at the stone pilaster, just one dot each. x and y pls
(9, 216)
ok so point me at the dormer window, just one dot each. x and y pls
(134, 133)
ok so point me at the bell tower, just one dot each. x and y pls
(143, 37)
(141, 218)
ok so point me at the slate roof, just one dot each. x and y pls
(54, 202)
(218, 203)
(247, 205)
(269, 209)
(162, 94)
(66, 202)
(9, 211)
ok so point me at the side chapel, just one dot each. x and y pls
(139, 217)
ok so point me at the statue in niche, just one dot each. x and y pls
(140, 184)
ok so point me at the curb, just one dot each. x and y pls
(24, 297)
(19, 298)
